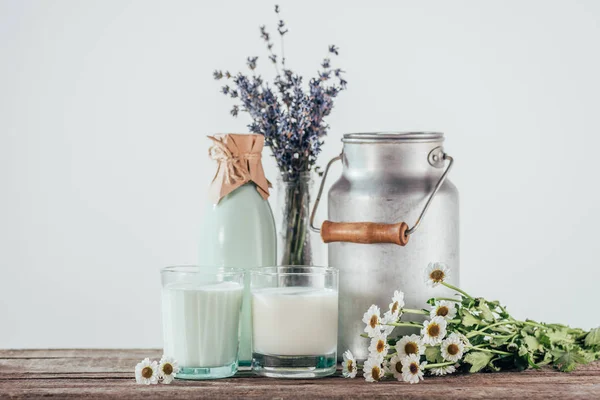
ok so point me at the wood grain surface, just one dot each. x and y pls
(109, 374)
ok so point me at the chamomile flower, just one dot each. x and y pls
(446, 309)
(395, 367)
(388, 318)
(167, 369)
(372, 370)
(434, 331)
(449, 369)
(412, 368)
(146, 372)
(373, 320)
(410, 344)
(436, 273)
(462, 338)
(379, 346)
(452, 349)
(397, 304)
(349, 369)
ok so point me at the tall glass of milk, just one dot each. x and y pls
(201, 309)
(294, 321)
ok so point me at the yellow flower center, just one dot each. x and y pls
(399, 367)
(395, 307)
(350, 365)
(373, 321)
(442, 311)
(414, 368)
(380, 346)
(411, 348)
(167, 369)
(147, 372)
(453, 349)
(375, 373)
(433, 330)
(437, 275)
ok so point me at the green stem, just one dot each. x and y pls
(475, 333)
(438, 365)
(414, 311)
(449, 286)
(411, 324)
(490, 351)
(448, 299)
(531, 323)
(479, 333)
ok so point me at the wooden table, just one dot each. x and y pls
(109, 373)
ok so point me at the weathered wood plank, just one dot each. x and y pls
(109, 373)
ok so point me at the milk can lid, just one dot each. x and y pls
(393, 136)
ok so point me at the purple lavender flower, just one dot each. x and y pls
(252, 62)
(289, 112)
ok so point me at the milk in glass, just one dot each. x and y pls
(201, 323)
(294, 321)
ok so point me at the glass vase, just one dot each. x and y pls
(295, 246)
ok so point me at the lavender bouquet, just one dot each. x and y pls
(290, 115)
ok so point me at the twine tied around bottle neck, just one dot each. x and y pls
(239, 162)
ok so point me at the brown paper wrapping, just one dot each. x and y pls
(239, 162)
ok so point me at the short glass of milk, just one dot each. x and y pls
(294, 321)
(201, 309)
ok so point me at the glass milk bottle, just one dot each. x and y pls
(238, 229)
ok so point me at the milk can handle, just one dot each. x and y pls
(371, 232)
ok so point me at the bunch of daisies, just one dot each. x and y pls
(151, 372)
(464, 333)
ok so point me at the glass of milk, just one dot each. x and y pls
(201, 309)
(294, 321)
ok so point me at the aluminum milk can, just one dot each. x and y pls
(390, 214)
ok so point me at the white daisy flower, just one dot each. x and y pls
(349, 369)
(436, 273)
(372, 370)
(395, 367)
(388, 318)
(379, 346)
(449, 369)
(167, 369)
(434, 331)
(410, 344)
(452, 349)
(146, 372)
(446, 309)
(373, 320)
(412, 369)
(462, 338)
(397, 304)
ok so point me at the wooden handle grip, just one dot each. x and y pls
(364, 232)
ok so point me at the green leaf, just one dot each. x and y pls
(470, 320)
(523, 350)
(433, 354)
(486, 313)
(546, 360)
(567, 360)
(478, 360)
(559, 336)
(531, 342)
(593, 338)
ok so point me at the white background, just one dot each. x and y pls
(104, 108)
